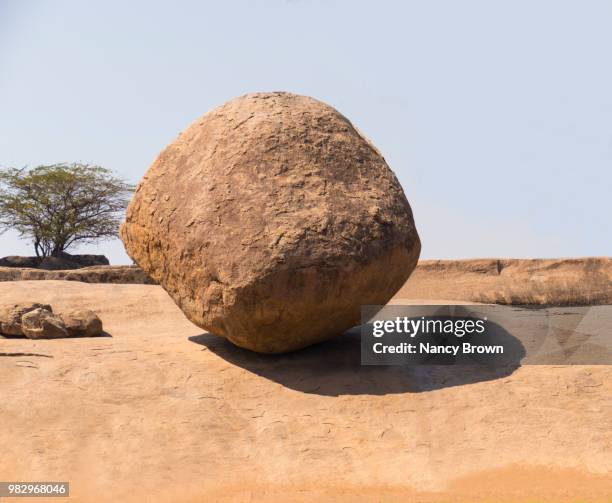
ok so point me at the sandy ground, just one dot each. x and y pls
(160, 411)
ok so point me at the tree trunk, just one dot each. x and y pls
(58, 249)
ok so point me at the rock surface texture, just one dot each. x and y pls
(38, 321)
(62, 262)
(148, 416)
(43, 324)
(270, 221)
(540, 282)
(10, 316)
(82, 323)
(95, 274)
(583, 281)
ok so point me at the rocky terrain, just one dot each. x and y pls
(128, 274)
(38, 321)
(52, 263)
(577, 281)
(160, 411)
(558, 282)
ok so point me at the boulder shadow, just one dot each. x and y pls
(333, 367)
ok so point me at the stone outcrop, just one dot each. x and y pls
(98, 274)
(82, 323)
(555, 282)
(38, 321)
(62, 262)
(270, 221)
(10, 316)
(577, 281)
(43, 324)
(19, 261)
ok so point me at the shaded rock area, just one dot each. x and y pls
(61, 262)
(19, 261)
(270, 221)
(38, 321)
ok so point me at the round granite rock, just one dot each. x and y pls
(270, 221)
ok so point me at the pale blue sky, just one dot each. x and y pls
(496, 116)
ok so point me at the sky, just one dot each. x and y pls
(495, 116)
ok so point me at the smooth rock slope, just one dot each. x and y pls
(161, 412)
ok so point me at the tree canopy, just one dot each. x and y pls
(59, 205)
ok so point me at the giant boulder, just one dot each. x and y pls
(270, 221)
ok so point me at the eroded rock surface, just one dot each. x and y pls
(82, 323)
(43, 324)
(270, 221)
(583, 281)
(96, 274)
(62, 262)
(10, 316)
(38, 321)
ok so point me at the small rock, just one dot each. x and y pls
(43, 324)
(10, 316)
(82, 323)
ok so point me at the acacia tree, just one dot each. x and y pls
(59, 205)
